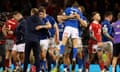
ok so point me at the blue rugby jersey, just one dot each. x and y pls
(106, 24)
(44, 32)
(72, 22)
(52, 22)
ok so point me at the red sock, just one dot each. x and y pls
(6, 62)
(87, 65)
(101, 65)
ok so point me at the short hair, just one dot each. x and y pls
(35, 11)
(42, 9)
(82, 8)
(108, 14)
(118, 15)
(94, 13)
(15, 13)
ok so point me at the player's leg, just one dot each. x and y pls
(74, 37)
(108, 50)
(99, 55)
(15, 55)
(21, 50)
(100, 60)
(116, 52)
(65, 37)
(52, 51)
(20, 56)
(66, 58)
(8, 59)
(79, 55)
(44, 47)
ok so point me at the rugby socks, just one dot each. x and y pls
(7, 63)
(87, 65)
(43, 64)
(62, 48)
(65, 68)
(106, 68)
(74, 53)
(80, 63)
(101, 66)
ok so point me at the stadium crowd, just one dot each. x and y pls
(43, 43)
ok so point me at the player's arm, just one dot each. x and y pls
(92, 34)
(82, 22)
(56, 33)
(4, 30)
(46, 26)
(105, 32)
(60, 18)
(65, 17)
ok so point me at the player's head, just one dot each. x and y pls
(118, 16)
(17, 15)
(42, 9)
(96, 16)
(81, 8)
(42, 12)
(108, 16)
(34, 11)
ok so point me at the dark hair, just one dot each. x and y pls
(82, 8)
(35, 11)
(108, 14)
(41, 9)
(15, 13)
(93, 14)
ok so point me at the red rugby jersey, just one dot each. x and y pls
(96, 29)
(11, 25)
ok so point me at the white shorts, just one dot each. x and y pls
(9, 44)
(19, 47)
(108, 46)
(70, 32)
(52, 43)
(80, 43)
(95, 48)
(44, 44)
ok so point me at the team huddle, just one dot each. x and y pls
(40, 43)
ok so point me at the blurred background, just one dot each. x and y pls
(54, 6)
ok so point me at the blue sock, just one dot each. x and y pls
(41, 64)
(62, 47)
(44, 63)
(74, 53)
(54, 63)
(65, 66)
(80, 63)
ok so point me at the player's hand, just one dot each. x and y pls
(6, 29)
(57, 42)
(10, 32)
(111, 39)
(38, 27)
(77, 16)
